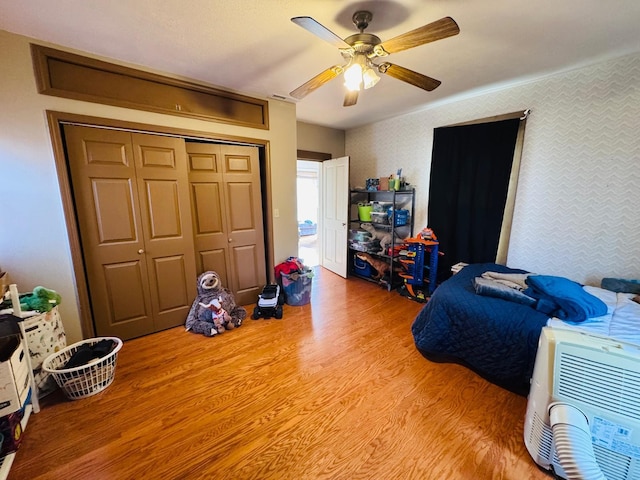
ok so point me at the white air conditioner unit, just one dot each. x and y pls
(583, 412)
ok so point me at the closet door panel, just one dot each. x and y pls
(242, 217)
(162, 205)
(172, 280)
(165, 210)
(103, 179)
(209, 230)
(124, 282)
(246, 233)
(209, 210)
(217, 261)
(246, 263)
(113, 210)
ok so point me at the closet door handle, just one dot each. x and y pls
(141, 251)
(230, 240)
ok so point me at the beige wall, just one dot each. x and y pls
(315, 138)
(576, 212)
(34, 244)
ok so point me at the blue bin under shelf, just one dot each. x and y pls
(360, 267)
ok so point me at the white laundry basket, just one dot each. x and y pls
(85, 380)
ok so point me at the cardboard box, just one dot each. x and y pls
(14, 375)
(384, 183)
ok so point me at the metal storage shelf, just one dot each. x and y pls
(404, 199)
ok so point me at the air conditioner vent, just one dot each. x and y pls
(542, 437)
(591, 378)
(613, 465)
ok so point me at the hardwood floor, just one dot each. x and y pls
(334, 390)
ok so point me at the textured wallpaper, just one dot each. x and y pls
(577, 210)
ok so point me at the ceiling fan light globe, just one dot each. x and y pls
(352, 87)
(353, 77)
(369, 78)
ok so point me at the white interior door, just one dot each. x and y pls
(335, 212)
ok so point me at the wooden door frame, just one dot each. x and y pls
(319, 157)
(55, 120)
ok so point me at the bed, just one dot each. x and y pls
(498, 338)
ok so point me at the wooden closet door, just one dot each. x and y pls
(227, 209)
(209, 210)
(243, 197)
(134, 220)
(165, 212)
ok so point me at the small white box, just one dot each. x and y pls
(14, 375)
(457, 267)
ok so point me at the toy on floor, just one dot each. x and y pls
(214, 310)
(270, 303)
(422, 254)
(380, 266)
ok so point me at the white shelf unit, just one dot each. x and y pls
(34, 406)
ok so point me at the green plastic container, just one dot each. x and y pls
(364, 212)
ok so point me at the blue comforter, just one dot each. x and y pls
(496, 338)
(563, 298)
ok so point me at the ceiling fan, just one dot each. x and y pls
(360, 49)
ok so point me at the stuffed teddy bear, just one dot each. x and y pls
(214, 310)
(41, 300)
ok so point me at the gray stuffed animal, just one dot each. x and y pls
(383, 236)
(214, 310)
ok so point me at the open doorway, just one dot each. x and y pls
(308, 187)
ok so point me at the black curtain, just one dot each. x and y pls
(470, 170)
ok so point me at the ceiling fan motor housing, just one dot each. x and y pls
(361, 19)
(363, 42)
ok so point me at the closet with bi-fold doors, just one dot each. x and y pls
(155, 211)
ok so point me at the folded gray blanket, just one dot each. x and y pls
(511, 280)
(494, 288)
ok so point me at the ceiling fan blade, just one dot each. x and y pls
(320, 31)
(409, 76)
(350, 98)
(443, 28)
(316, 82)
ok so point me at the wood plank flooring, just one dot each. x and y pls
(334, 390)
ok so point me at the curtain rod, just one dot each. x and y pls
(520, 114)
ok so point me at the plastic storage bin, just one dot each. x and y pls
(365, 246)
(297, 287)
(381, 206)
(364, 212)
(360, 267)
(398, 217)
(359, 235)
(380, 218)
(85, 380)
